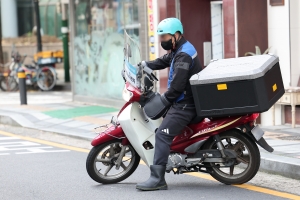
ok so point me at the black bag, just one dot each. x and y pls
(157, 106)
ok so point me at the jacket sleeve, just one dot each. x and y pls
(160, 63)
(181, 65)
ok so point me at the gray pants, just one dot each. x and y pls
(178, 116)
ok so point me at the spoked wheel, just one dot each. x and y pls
(245, 166)
(103, 164)
(8, 83)
(46, 78)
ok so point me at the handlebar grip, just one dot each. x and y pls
(148, 70)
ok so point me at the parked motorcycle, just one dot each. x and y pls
(224, 147)
(43, 76)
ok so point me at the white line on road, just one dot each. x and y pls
(54, 151)
(26, 147)
(9, 138)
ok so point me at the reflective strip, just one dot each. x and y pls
(222, 86)
(274, 87)
(182, 65)
(21, 75)
(64, 30)
(194, 56)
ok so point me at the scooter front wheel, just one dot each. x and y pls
(106, 165)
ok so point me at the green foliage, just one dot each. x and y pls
(257, 51)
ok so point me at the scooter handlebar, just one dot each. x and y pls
(148, 70)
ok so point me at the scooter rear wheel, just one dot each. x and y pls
(101, 162)
(246, 165)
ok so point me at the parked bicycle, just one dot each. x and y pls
(43, 76)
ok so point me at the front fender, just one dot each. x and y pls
(110, 133)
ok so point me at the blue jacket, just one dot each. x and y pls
(183, 62)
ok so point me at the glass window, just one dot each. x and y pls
(98, 45)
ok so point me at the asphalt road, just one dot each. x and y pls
(35, 165)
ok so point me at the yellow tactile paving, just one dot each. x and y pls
(92, 120)
(275, 135)
(35, 107)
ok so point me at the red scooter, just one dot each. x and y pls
(225, 147)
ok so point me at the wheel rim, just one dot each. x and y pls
(244, 159)
(104, 163)
(46, 78)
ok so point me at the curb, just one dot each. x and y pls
(8, 121)
(284, 166)
(270, 163)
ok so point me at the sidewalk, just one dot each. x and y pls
(55, 112)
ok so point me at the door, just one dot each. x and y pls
(217, 30)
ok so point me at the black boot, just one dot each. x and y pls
(156, 180)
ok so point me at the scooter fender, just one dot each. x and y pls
(110, 133)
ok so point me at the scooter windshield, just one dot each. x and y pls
(132, 56)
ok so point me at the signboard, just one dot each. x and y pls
(277, 2)
(131, 74)
(151, 30)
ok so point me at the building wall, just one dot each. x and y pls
(283, 38)
(295, 42)
(295, 58)
(252, 25)
(229, 28)
(279, 37)
(196, 19)
(166, 8)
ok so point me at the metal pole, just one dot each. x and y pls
(65, 39)
(22, 86)
(38, 25)
(72, 36)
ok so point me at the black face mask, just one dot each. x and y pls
(167, 45)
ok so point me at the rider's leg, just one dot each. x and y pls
(176, 119)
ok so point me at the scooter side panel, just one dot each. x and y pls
(139, 129)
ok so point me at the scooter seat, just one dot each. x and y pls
(196, 120)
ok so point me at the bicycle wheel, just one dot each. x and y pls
(46, 78)
(8, 83)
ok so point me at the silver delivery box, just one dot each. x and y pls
(237, 86)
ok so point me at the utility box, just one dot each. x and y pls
(237, 86)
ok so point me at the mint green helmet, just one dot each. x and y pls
(169, 26)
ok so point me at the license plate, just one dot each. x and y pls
(257, 132)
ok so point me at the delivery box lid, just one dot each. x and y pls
(235, 69)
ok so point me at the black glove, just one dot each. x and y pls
(165, 101)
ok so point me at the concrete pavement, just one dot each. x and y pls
(40, 169)
(54, 112)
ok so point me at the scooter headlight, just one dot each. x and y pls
(127, 95)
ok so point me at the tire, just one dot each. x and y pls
(8, 84)
(253, 158)
(95, 174)
(46, 78)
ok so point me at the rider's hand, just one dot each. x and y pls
(143, 64)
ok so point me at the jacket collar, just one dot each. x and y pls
(179, 44)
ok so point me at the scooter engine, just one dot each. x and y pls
(176, 160)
